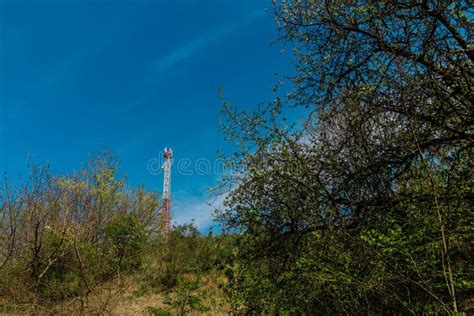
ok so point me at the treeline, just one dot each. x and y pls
(366, 206)
(64, 238)
(363, 208)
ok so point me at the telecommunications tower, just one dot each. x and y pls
(166, 217)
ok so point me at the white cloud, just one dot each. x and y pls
(198, 43)
(188, 208)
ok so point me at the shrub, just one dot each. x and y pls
(125, 240)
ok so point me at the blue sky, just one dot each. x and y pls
(132, 75)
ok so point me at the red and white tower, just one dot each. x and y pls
(168, 155)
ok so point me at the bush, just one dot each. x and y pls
(125, 240)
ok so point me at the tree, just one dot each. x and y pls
(358, 211)
(62, 236)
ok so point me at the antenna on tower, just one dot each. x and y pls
(166, 217)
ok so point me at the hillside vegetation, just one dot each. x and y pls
(364, 207)
(87, 244)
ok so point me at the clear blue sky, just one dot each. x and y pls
(132, 75)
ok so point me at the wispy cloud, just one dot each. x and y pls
(187, 209)
(198, 43)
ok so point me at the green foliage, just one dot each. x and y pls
(188, 297)
(185, 251)
(61, 279)
(125, 240)
(366, 208)
(62, 237)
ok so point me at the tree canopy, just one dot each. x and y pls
(367, 206)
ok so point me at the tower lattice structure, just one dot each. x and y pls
(168, 155)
